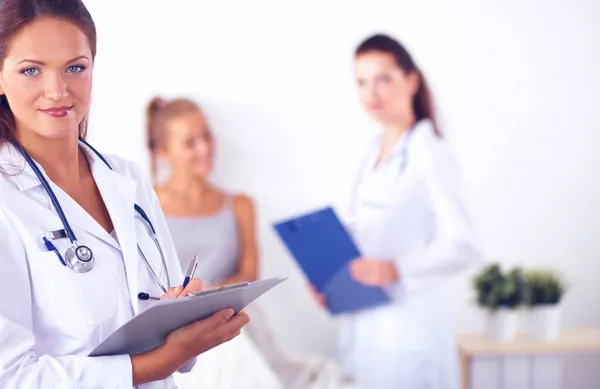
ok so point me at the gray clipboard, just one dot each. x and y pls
(150, 328)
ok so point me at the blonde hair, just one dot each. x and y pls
(158, 115)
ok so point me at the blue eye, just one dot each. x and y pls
(30, 71)
(75, 69)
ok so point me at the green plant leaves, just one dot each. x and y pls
(496, 289)
(544, 287)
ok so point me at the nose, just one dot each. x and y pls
(368, 93)
(55, 87)
(372, 92)
(202, 147)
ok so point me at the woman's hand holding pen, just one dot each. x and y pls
(190, 284)
(194, 285)
(189, 341)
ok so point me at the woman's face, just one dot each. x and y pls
(384, 89)
(47, 78)
(188, 147)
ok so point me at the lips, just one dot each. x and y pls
(57, 112)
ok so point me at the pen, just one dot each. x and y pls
(51, 247)
(191, 271)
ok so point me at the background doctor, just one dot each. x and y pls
(51, 316)
(409, 218)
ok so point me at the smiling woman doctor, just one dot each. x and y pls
(408, 216)
(83, 242)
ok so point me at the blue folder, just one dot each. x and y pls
(323, 249)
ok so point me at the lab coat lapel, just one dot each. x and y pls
(118, 193)
(29, 209)
(25, 179)
(77, 216)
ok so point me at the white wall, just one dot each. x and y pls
(516, 82)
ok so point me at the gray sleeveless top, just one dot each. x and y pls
(214, 238)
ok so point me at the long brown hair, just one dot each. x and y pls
(158, 115)
(423, 105)
(16, 14)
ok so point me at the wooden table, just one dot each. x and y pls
(475, 345)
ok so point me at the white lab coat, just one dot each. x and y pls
(52, 317)
(411, 210)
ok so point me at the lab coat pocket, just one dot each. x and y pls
(71, 300)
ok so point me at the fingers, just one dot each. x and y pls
(172, 293)
(230, 329)
(363, 271)
(356, 266)
(319, 297)
(213, 322)
(217, 329)
(195, 285)
(354, 269)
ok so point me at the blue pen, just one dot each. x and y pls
(191, 271)
(51, 247)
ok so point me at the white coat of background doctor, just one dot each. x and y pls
(52, 317)
(409, 218)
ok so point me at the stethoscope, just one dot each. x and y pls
(401, 170)
(80, 258)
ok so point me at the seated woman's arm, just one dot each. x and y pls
(244, 210)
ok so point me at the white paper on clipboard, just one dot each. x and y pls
(150, 328)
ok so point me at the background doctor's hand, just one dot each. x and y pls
(317, 296)
(373, 271)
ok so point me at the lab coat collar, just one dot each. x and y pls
(402, 144)
(117, 191)
(17, 170)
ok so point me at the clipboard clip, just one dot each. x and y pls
(218, 289)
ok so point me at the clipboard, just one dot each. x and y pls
(324, 249)
(150, 328)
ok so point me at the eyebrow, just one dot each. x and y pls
(42, 63)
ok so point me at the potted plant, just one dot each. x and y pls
(545, 290)
(501, 295)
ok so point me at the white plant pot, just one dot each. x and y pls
(545, 322)
(503, 324)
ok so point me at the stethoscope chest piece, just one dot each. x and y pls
(80, 259)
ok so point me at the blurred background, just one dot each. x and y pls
(516, 86)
